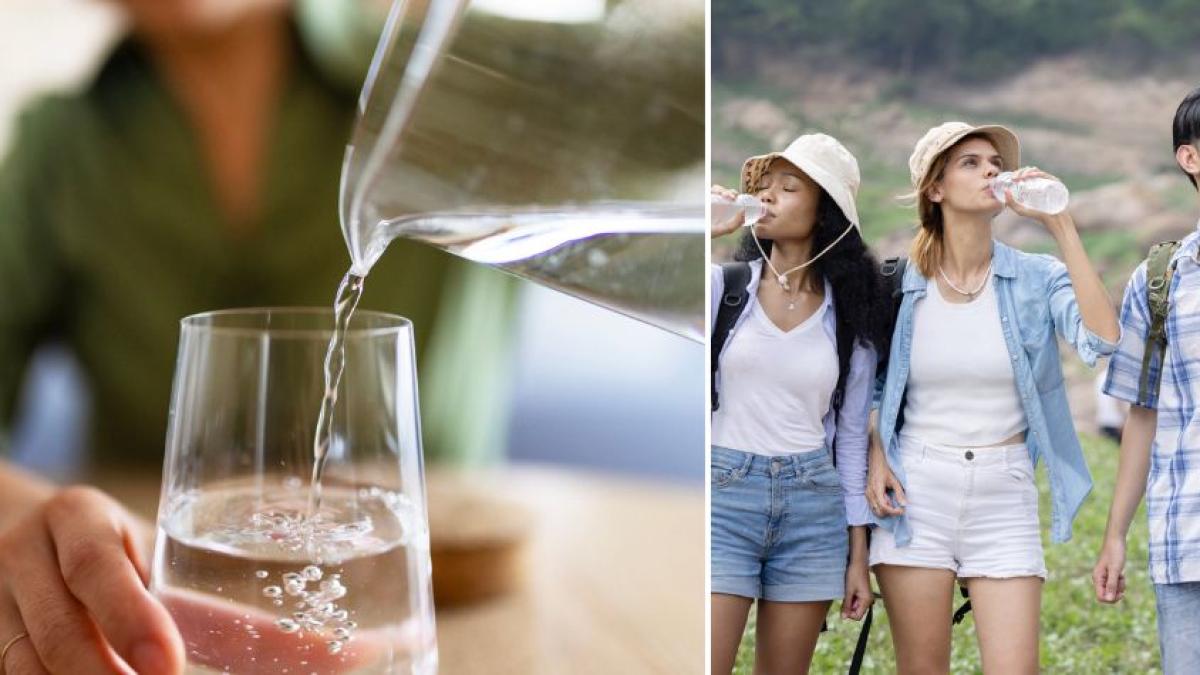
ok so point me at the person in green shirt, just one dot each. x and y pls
(198, 170)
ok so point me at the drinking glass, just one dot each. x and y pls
(259, 574)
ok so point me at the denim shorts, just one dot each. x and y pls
(1179, 627)
(974, 511)
(778, 526)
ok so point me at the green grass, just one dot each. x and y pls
(1078, 634)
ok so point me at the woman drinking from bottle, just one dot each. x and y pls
(792, 390)
(973, 398)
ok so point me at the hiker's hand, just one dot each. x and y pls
(1047, 219)
(858, 591)
(1108, 576)
(881, 481)
(720, 229)
(73, 578)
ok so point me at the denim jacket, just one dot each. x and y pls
(1036, 300)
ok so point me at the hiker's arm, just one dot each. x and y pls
(1095, 305)
(1071, 304)
(853, 433)
(858, 597)
(880, 479)
(1132, 469)
(1124, 382)
(1078, 299)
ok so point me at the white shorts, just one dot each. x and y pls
(973, 511)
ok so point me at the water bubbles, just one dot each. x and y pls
(333, 589)
(318, 611)
(311, 593)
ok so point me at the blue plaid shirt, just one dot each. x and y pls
(1173, 486)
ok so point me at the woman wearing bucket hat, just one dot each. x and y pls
(973, 398)
(794, 342)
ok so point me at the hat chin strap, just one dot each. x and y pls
(783, 278)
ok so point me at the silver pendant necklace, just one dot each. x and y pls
(788, 293)
(970, 294)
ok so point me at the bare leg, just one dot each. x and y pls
(728, 623)
(1007, 612)
(918, 603)
(787, 635)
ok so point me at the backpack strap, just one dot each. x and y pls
(733, 300)
(1159, 271)
(860, 646)
(892, 271)
(964, 608)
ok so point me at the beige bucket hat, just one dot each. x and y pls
(822, 158)
(938, 139)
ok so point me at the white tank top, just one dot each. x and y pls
(775, 386)
(961, 387)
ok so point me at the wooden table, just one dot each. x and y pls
(614, 580)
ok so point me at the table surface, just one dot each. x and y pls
(614, 581)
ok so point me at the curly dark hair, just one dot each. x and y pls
(864, 310)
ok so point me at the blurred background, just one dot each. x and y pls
(1090, 87)
(584, 387)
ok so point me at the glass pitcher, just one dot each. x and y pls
(559, 140)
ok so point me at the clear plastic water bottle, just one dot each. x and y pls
(751, 208)
(1041, 194)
